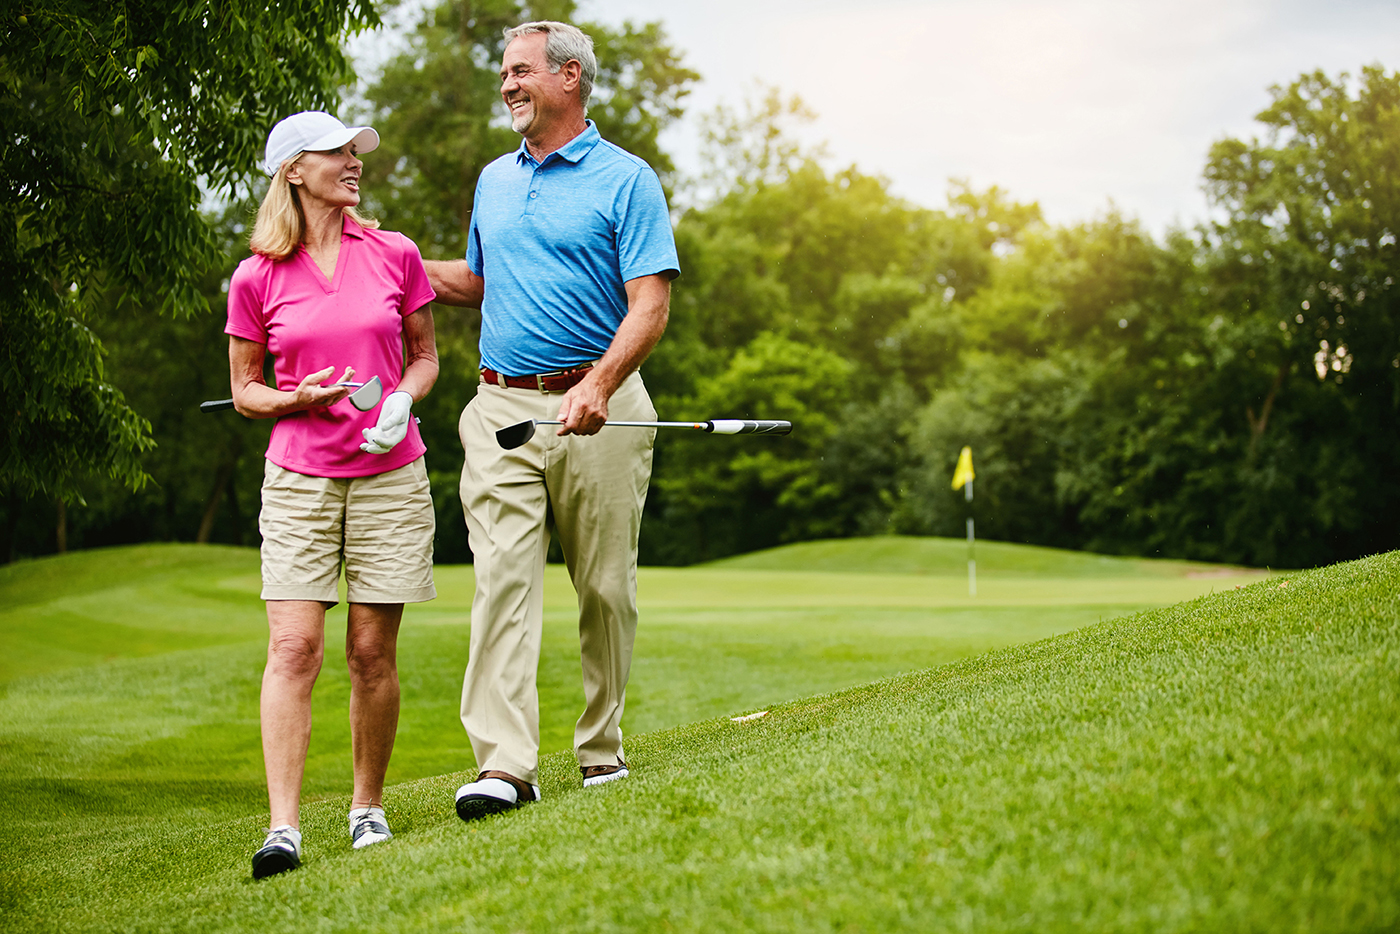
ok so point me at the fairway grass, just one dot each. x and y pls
(1227, 763)
(129, 754)
(129, 664)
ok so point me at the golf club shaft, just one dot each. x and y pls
(720, 426)
(223, 405)
(696, 426)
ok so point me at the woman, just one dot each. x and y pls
(326, 291)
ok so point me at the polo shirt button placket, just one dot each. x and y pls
(534, 190)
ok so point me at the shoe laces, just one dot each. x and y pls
(367, 820)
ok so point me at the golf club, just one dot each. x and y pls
(513, 436)
(365, 397)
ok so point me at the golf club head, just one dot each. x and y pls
(513, 436)
(368, 395)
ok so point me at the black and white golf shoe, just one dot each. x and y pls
(281, 852)
(367, 826)
(492, 793)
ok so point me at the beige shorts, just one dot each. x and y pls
(380, 526)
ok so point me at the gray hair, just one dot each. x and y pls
(563, 43)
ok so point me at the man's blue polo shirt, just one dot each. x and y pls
(554, 242)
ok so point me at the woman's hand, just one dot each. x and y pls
(310, 393)
(253, 398)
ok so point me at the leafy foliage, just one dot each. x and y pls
(1305, 267)
(1226, 394)
(113, 116)
(434, 107)
(816, 296)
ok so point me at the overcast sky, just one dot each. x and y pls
(1070, 103)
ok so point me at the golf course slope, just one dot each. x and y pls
(1230, 763)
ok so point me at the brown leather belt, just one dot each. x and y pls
(558, 381)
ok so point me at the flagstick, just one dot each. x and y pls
(971, 548)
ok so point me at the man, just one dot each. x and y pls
(570, 257)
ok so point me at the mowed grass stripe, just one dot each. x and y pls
(661, 588)
(902, 554)
(1227, 764)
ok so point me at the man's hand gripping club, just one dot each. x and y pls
(584, 409)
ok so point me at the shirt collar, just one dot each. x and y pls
(572, 151)
(349, 228)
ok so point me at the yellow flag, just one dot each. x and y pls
(963, 474)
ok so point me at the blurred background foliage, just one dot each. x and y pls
(1229, 392)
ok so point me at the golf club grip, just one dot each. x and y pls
(695, 426)
(750, 426)
(216, 405)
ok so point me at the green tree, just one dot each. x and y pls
(732, 497)
(1231, 395)
(116, 119)
(754, 146)
(796, 256)
(1304, 270)
(438, 110)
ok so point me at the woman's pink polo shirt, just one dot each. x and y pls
(308, 324)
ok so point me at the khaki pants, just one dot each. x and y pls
(590, 492)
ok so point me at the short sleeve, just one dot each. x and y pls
(417, 292)
(246, 291)
(646, 245)
(475, 261)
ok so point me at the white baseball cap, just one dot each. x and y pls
(313, 131)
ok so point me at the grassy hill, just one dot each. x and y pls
(1229, 762)
(152, 654)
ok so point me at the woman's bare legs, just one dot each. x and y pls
(295, 647)
(371, 652)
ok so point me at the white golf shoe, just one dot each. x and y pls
(367, 826)
(280, 852)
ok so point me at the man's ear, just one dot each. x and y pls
(573, 74)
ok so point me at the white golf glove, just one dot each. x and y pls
(392, 426)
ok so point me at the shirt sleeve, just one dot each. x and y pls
(475, 260)
(646, 245)
(245, 304)
(416, 290)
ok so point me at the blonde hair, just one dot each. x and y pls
(281, 225)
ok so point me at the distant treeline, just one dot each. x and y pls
(1229, 392)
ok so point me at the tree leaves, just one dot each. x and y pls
(1230, 393)
(115, 117)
